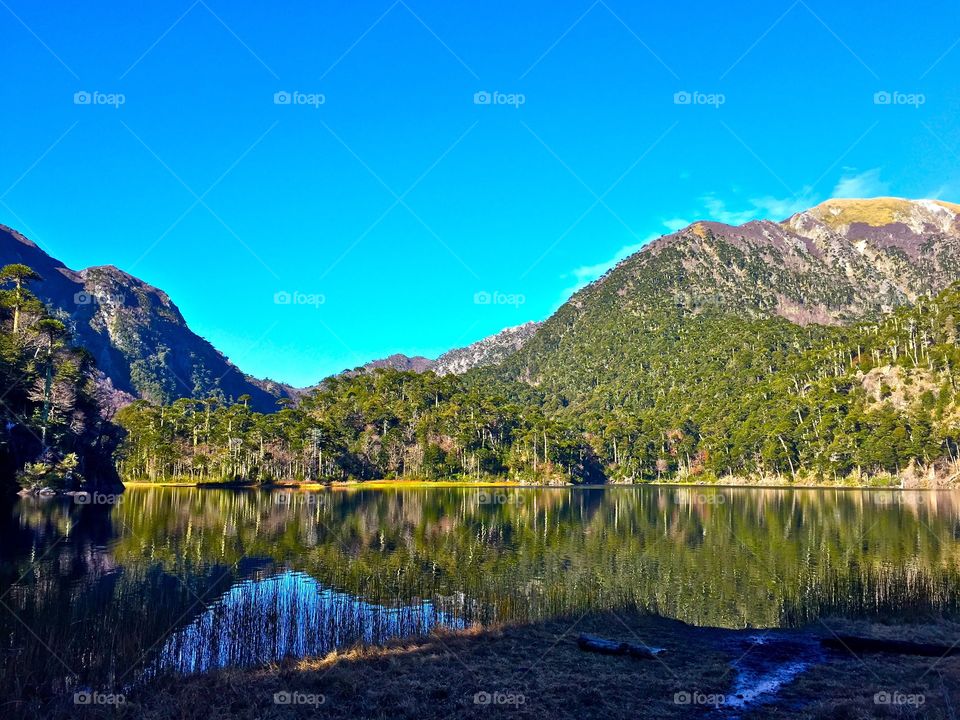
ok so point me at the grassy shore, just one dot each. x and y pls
(538, 671)
(298, 485)
(909, 479)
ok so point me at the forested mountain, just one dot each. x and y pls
(688, 337)
(135, 333)
(840, 262)
(756, 399)
(823, 348)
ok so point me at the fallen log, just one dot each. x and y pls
(592, 643)
(852, 643)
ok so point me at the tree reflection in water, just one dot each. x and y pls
(189, 578)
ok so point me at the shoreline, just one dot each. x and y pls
(421, 484)
(538, 670)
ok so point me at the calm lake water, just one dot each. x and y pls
(177, 579)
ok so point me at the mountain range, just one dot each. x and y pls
(144, 348)
(839, 262)
(488, 351)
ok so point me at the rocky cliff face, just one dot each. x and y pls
(136, 334)
(902, 247)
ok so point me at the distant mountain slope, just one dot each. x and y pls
(399, 361)
(488, 351)
(135, 333)
(839, 262)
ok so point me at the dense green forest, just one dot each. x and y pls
(380, 424)
(699, 394)
(53, 433)
(714, 394)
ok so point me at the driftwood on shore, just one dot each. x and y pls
(852, 643)
(592, 643)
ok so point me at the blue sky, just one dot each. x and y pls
(386, 197)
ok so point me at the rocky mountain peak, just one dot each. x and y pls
(845, 214)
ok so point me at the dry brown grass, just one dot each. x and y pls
(874, 211)
(846, 687)
(440, 676)
(871, 211)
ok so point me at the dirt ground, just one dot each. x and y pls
(538, 671)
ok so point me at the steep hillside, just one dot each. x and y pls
(832, 265)
(757, 400)
(813, 350)
(136, 334)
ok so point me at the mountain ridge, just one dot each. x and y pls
(837, 262)
(802, 270)
(878, 257)
(485, 351)
(135, 332)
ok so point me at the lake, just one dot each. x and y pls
(111, 592)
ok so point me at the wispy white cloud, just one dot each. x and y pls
(586, 274)
(949, 192)
(761, 208)
(860, 185)
(675, 224)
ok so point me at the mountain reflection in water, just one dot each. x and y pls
(187, 579)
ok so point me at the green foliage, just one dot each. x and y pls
(671, 392)
(50, 424)
(677, 392)
(55, 475)
(381, 424)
